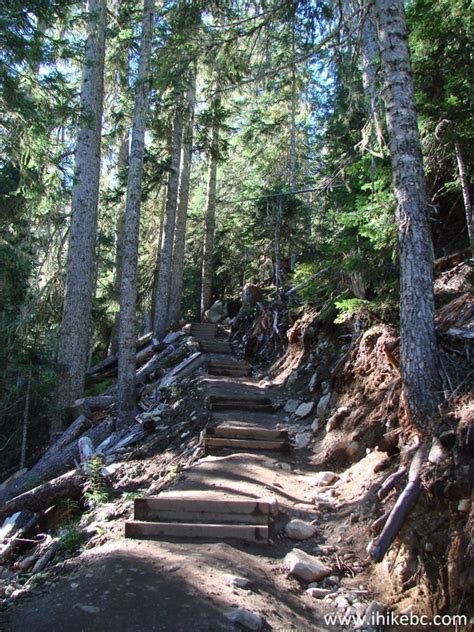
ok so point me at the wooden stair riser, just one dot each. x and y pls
(245, 432)
(179, 502)
(249, 533)
(241, 405)
(221, 443)
(227, 373)
(195, 517)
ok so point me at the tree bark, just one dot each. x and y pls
(176, 289)
(418, 355)
(81, 262)
(370, 55)
(464, 179)
(128, 289)
(163, 285)
(209, 231)
(66, 486)
(58, 459)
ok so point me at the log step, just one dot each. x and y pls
(203, 329)
(221, 443)
(261, 404)
(227, 372)
(248, 432)
(213, 346)
(249, 533)
(174, 508)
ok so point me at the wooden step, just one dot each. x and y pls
(203, 329)
(250, 533)
(221, 443)
(248, 432)
(216, 402)
(229, 368)
(199, 509)
(215, 346)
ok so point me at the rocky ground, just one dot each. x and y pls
(341, 403)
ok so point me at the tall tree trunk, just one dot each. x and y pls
(370, 55)
(277, 243)
(464, 179)
(208, 244)
(163, 285)
(176, 289)
(122, 164)
(128, 290)
(418, 356)
(81, 263)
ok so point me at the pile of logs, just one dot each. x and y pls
(63, 469)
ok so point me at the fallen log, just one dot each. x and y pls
(68, 485)
(108, 367)
(113, 359)
(154, 363)
(75, 430)
(405, 502)
(56, 461)
(7, 549)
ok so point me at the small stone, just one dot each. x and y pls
(374, 611)
(341, 603)
(302, 440)
(9, 590)
(429, 547)
(286, 467)
(351, 612)
(305, 567)
(333, 580)
(323, 479)
(239, 582)
(323, 405)
(437, 452)
(318, 593)
(354, 517)
(73, 585)
(464, 505)
(316, 425)
(312, 383)
(247, 619)
(299, 530)
(304, 409)
(291, 405)
(86, 608)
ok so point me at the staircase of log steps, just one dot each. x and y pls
(196, 515)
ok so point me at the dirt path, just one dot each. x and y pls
(127, 585)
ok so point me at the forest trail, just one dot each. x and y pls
(190, 584)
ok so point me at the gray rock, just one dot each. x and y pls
(239, 582)
(304, 409)
(373, 614)
(302, 440)
(316, 425)
(317, 592)
(291, 405)
(312, 383)
(437, 452)
(247, 619)
(286, 467)
(299, 530)
(305, 567)
(323, 479)
(323, 405)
